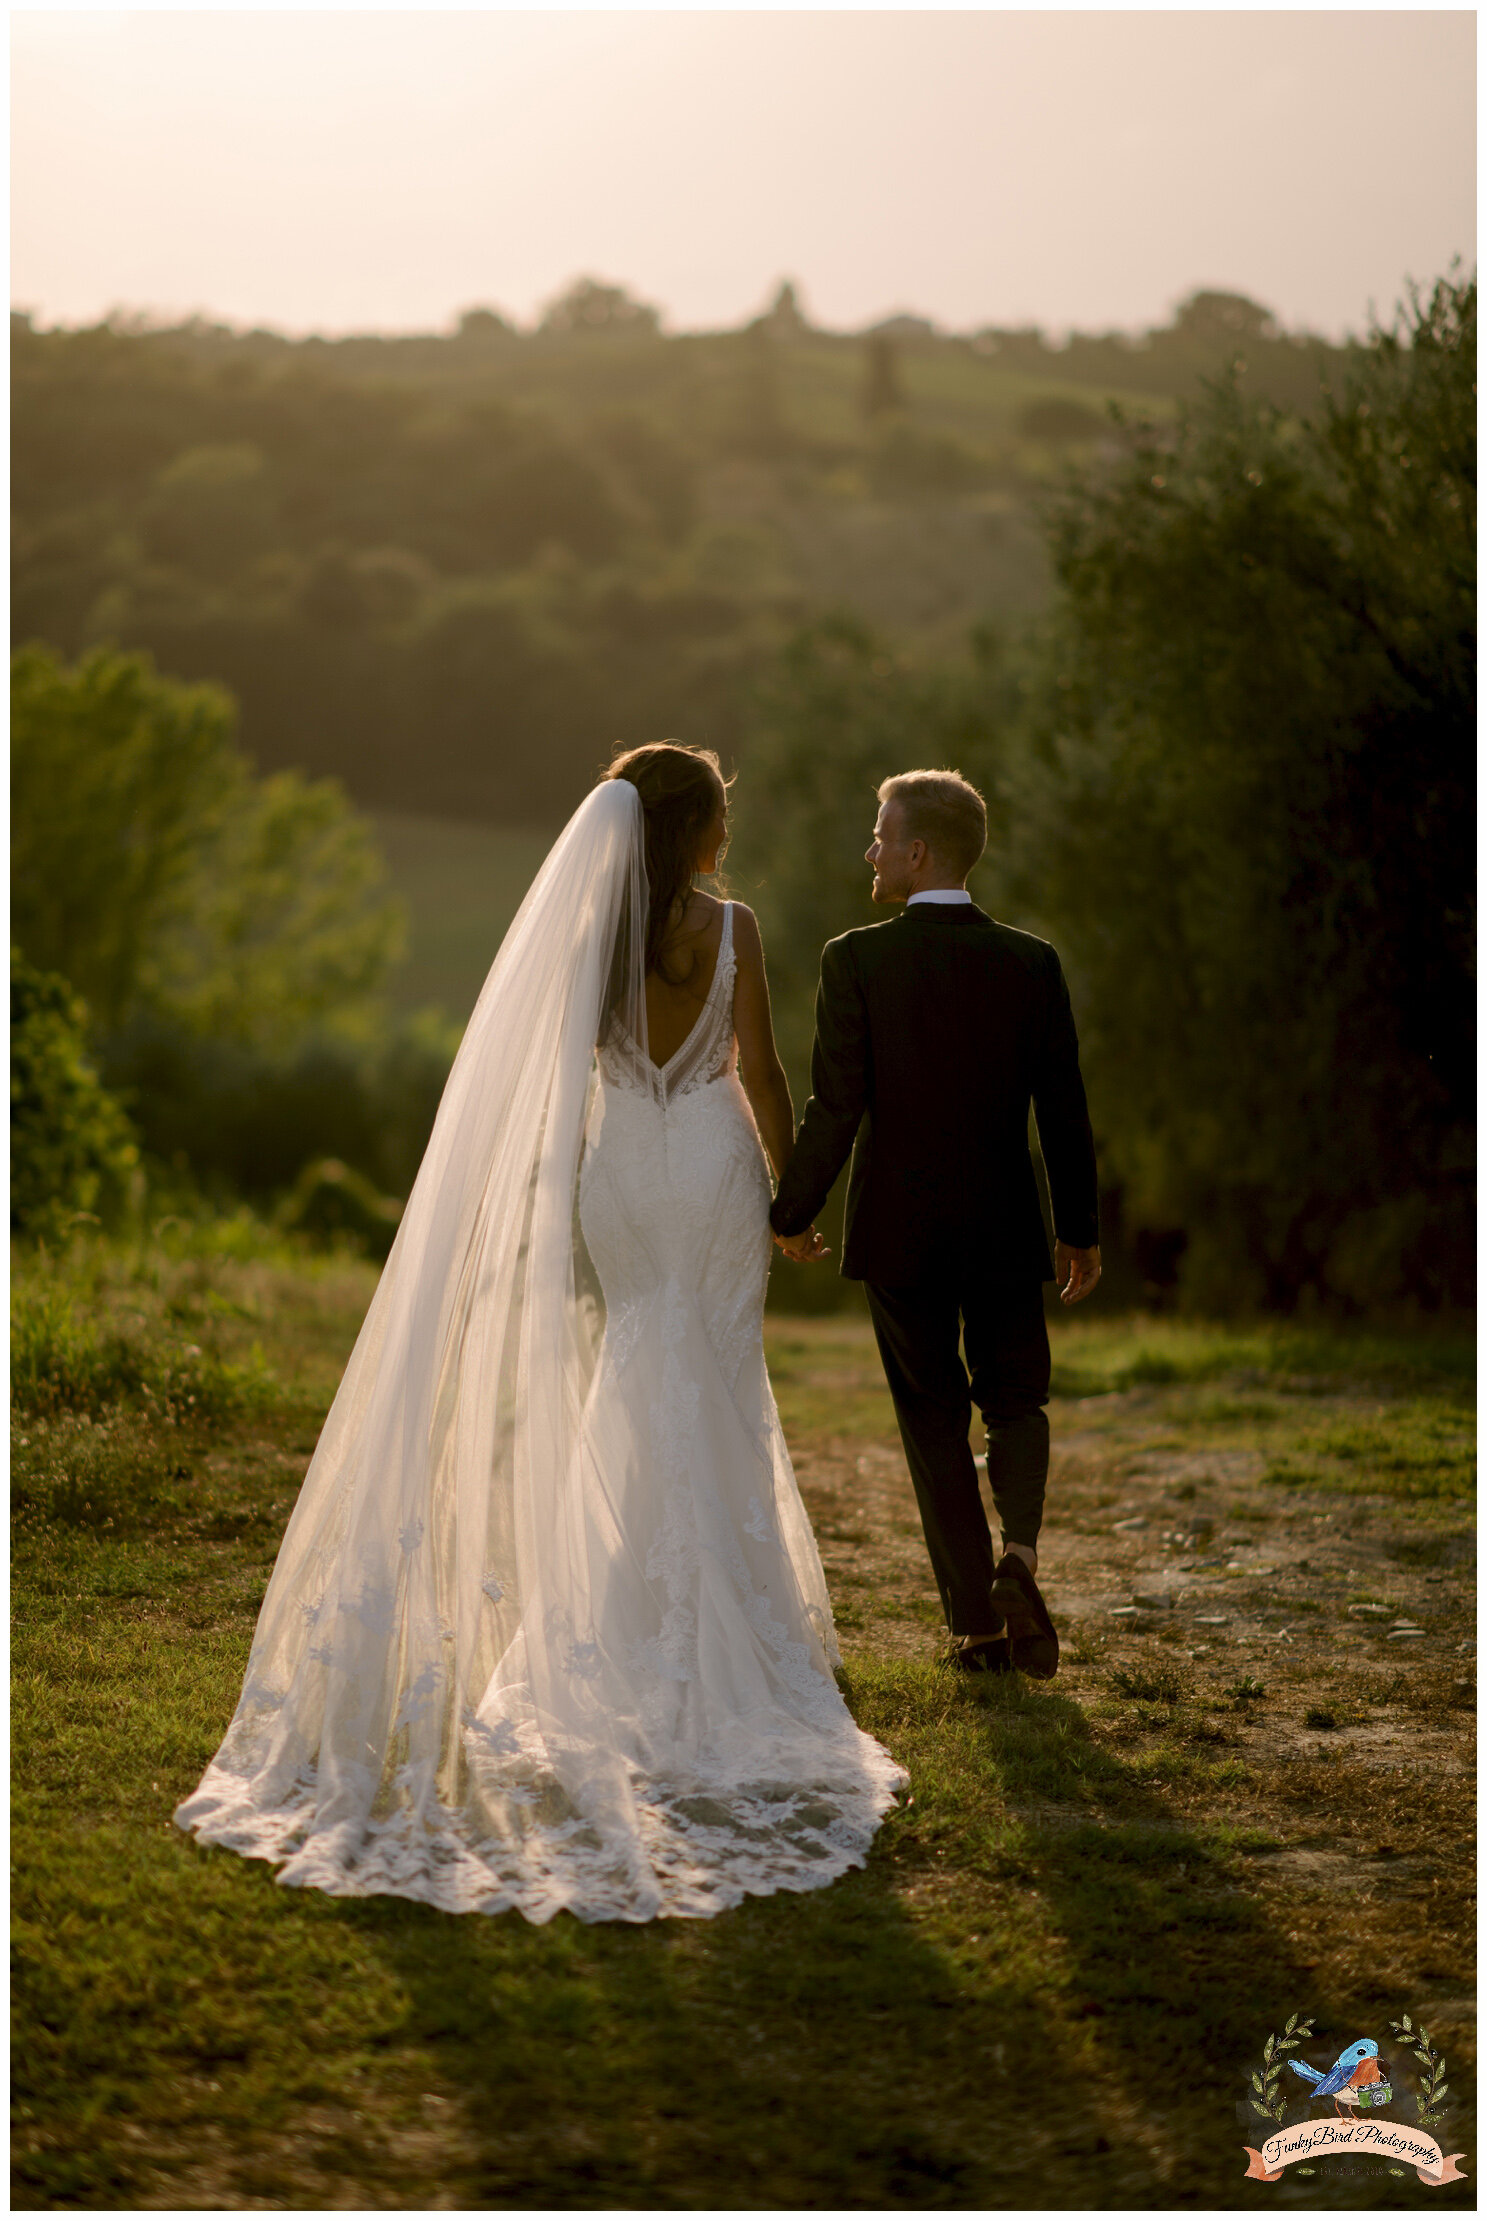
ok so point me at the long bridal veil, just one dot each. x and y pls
(436, 1704)
(402, 1573)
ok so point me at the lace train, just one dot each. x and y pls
(660, 1732)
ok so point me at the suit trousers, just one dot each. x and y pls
(1006, 1350)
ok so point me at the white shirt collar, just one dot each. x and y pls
(938, 894)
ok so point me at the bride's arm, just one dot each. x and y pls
(760, 1068)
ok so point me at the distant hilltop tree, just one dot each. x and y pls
(482, 325)
(1025, 341)
(784, 318)
(904, 326)
(588, 305)
(1225, 316)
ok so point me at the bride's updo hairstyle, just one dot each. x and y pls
(681, 791)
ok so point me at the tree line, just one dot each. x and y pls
(1230, 770)
(408, 558)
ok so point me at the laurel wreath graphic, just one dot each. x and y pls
(1266, 2083)
(1430, 2103)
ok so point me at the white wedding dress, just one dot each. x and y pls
(548, 1629)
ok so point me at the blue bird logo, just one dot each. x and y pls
(1354, 2078)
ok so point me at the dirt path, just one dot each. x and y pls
(1149, 1542)
(1287, 1653)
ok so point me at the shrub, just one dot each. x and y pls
(159, 874)
(247, 1121)
(71, 1145)
(331, 1202)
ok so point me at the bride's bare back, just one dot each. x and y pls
(691, 958)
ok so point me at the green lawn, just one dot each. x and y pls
(1043, 1990)
(463, 884)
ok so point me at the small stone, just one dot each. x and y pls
(1123, 1611)
(1131, 1526)
(1469, 1644)
(1368, 1611)
(1211, 1619)
(1404, 1634)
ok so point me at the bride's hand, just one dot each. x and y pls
(803, 1249)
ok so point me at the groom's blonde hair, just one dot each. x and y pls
(942, 810)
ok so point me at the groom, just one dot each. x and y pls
(934, 1033)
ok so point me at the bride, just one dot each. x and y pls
(548, 1628)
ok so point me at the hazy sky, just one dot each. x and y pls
(358, 170)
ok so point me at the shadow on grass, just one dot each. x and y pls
(790, 2053)
(1045, 1989)
(1180, 1972)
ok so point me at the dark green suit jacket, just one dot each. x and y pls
(934, 1034)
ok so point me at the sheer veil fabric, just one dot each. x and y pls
(548, 1627)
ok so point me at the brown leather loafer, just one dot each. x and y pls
(1034, 1638)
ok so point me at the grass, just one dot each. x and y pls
(1111, 1356)
(1039, 1992)
(463, 885)
(1160, 1687)
(1415, 1448)
(1406, 1427)
(827, 1378)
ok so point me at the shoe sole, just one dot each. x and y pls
(1017, 1612)
(1023, 1625)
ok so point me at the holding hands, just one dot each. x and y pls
(803, 1249)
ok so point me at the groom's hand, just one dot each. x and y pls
(1076, 1270)
(803, 1249)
